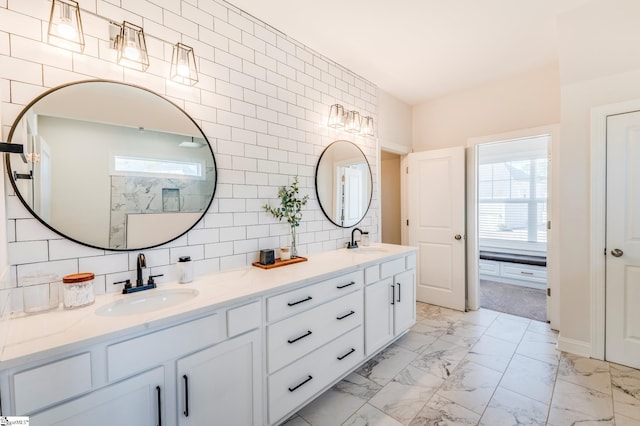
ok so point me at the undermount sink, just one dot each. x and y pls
(147, 301)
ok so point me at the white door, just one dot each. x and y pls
(436, 204)
(404, 305)
(623, 240)
(378, 315)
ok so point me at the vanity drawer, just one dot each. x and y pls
(48, 384)
(524, 272)
(392, 267)
(298, 382)
(243, 318)
(296, 336)
(144, 352)
(301, 299)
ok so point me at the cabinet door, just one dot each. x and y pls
(405, 301)
(221, 385)
(137, 401)
(378, 315)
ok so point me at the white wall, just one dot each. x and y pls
(597, 68)
(262, 100)
(525, 101)
(394, 128)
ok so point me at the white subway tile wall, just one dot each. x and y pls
(262, 101)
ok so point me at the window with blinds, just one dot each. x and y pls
(512, 194)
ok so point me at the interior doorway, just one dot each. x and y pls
(513, 182)
(391, 193)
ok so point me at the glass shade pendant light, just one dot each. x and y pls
(367, 126)
(336, 116)
(183, 65)
(132, 48)
(65, 26)
(352, 124)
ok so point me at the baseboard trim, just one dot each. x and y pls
(574, 346)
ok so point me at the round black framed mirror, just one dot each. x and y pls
(344, 184)
(112, 166)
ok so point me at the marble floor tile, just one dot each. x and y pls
(590, 373)
(443, 412)
(621, 420)
(530, 377)
(471, 385)
(295, 420)
(416, 342)
(338, 403)
(539, 346)
(482, 317)
(625, 382)
(510, 408)
(370, 416)
(405, 396)
(506, 328)
(542, 328)
(492, 352)
(574, 404)
(440, 359)
(429, 330)
(463, 333)
(383, 367)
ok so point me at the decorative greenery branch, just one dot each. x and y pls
(290, 204)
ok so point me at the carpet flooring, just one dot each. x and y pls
(513, 299)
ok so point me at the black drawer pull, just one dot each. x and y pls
(398, 292)
(308, 333)
(526, 273)
(340, 358)
(346, 285)
(300, 384)
(300, 301)
(159, 406)
(186, 395)
(346, 315)
(393, 294)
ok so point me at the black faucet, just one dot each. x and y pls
(353, 244)
(140, 285)
(141, 263)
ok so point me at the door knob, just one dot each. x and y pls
(458, 237)
(617, 252)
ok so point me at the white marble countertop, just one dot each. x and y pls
(33, 337)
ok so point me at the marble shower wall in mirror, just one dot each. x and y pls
(113, 166)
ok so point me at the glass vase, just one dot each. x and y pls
(294, 247)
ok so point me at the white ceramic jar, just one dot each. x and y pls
(78, 290)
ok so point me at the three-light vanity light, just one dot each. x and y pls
(351, 121)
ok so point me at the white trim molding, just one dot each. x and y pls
(598, 224)
(574, 346)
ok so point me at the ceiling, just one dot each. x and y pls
(418, 50)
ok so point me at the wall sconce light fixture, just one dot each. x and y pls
(132, 47)
(352, 124)
(65, 26)
(183, 65)
(367, 126)
(336, 116)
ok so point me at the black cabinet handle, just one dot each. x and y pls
(159, 406)
(299, 301)
(398, 292)
(300, 384)
(340, 358)
(186, 395)
(308, 333)
(393, 294)
(346, 285)
(346, 315)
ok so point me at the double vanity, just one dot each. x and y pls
(243, 347)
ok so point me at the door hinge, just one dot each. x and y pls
(548, 224)
(407, 222)
(548, 292)
(407, 170)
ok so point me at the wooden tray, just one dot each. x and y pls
(280, 263)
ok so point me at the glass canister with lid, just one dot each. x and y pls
(77, 290)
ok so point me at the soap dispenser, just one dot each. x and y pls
(185, 269)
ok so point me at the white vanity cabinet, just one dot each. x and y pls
(222, 385)
(137, 401)
(390, 301)
(316, 337)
